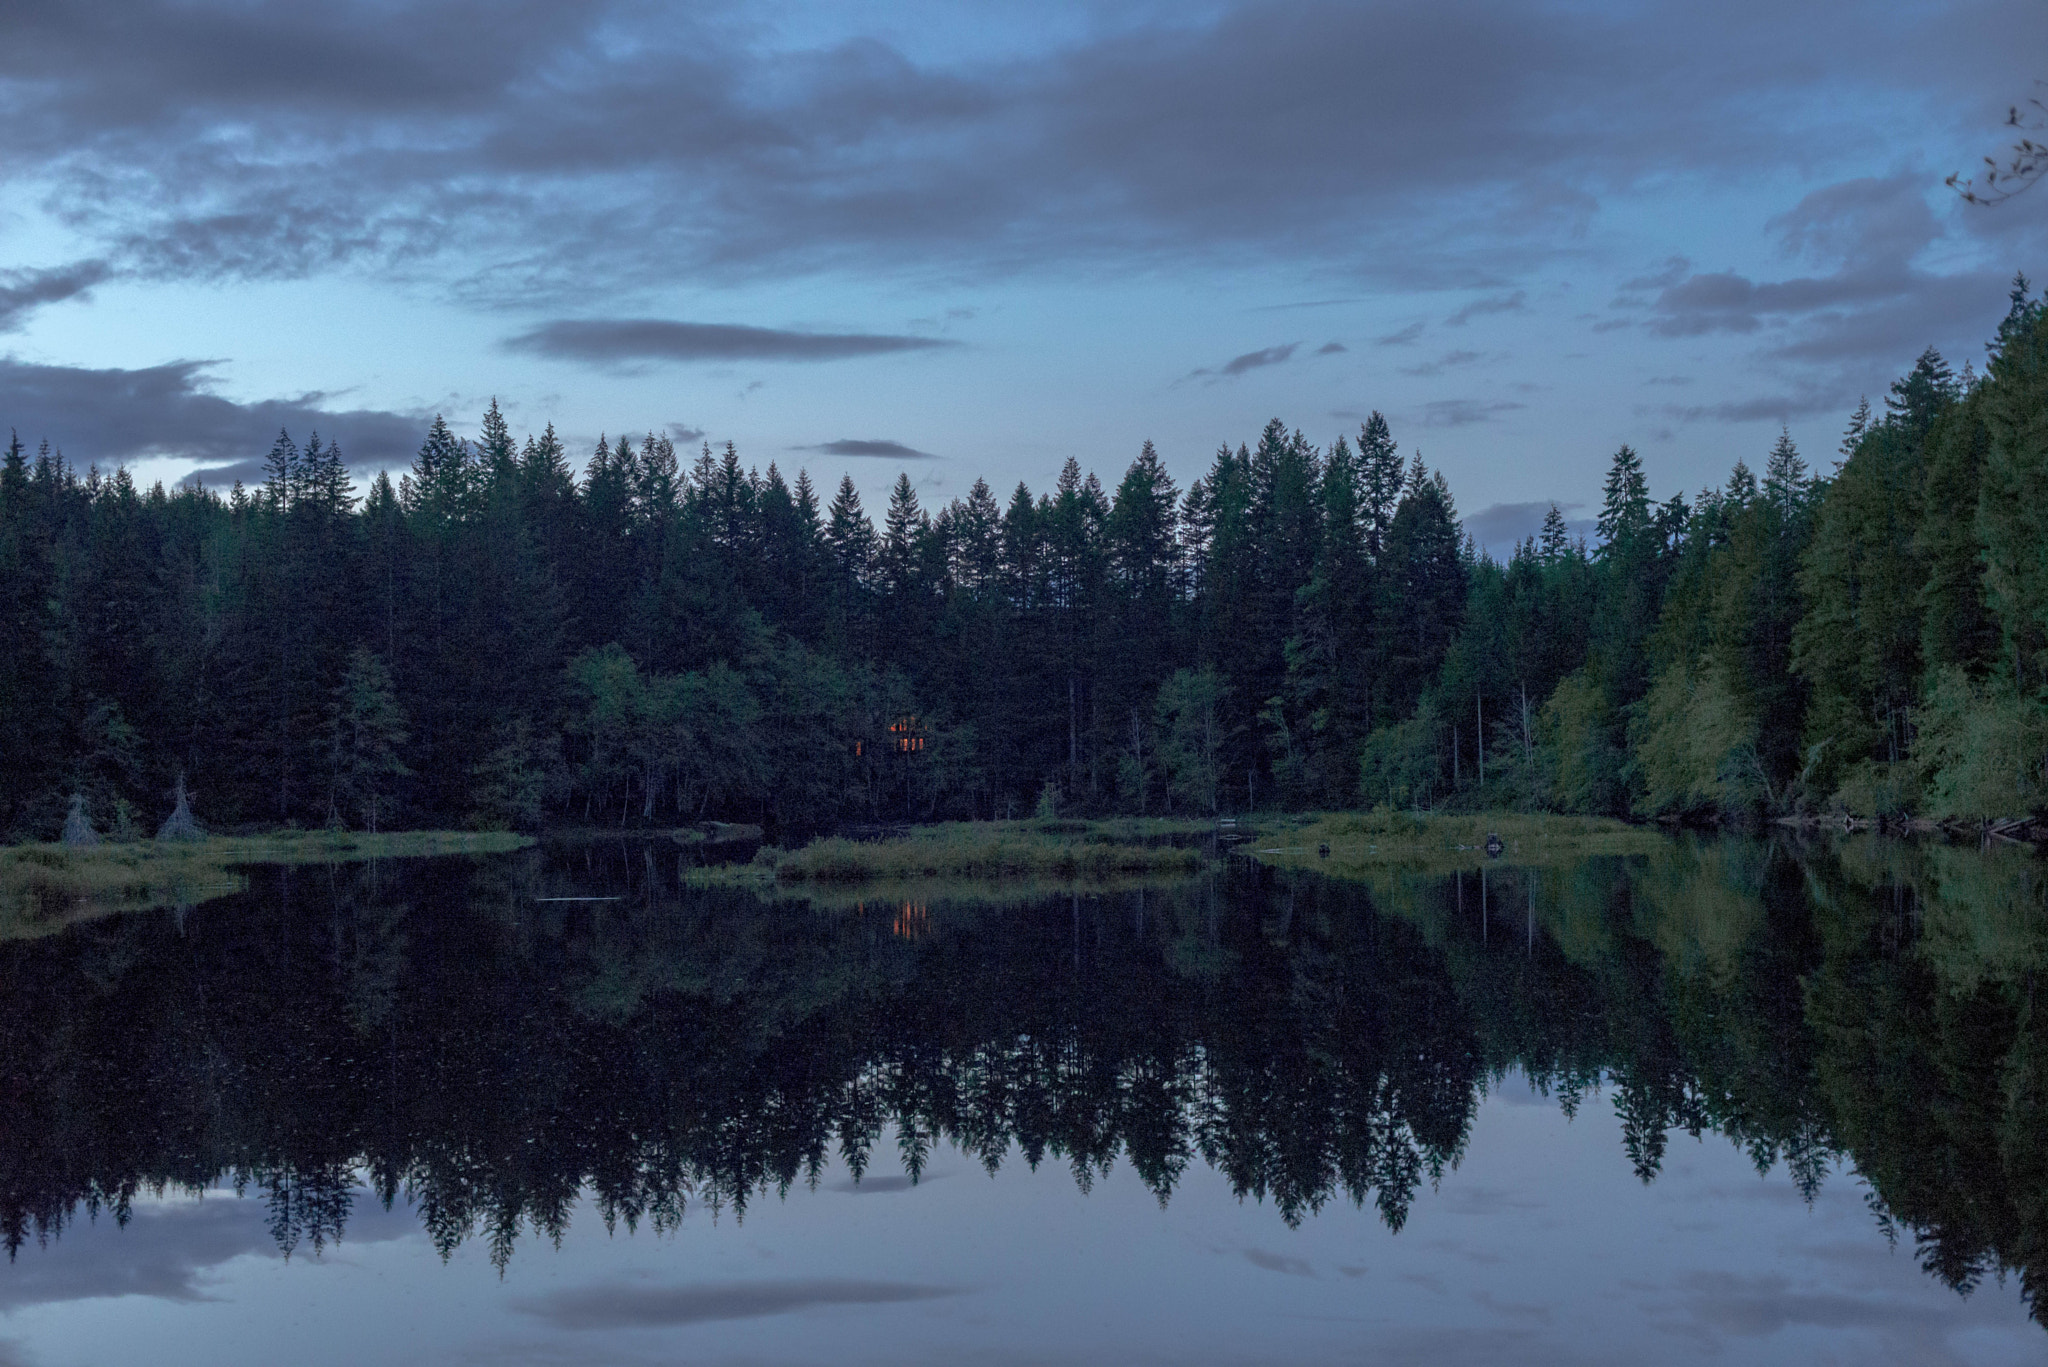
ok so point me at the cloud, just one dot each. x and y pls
(1675, 269)
(1781, 407)
(871, 446)
(1871, 301)
(1501, 527)
(1303, 304)
(1404, 337)
(1498, 303)
(683, 433)
(110, 417)
(582, 149)
(1447, 361)
(1725, 302)
(1249, 361)
(23, 292)
(1331, 349)
(1465, 412)
(1255, 360)
(603, 341)
(654, 1307)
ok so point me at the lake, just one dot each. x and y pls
(1741, 1100)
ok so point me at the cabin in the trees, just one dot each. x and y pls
(906, 737)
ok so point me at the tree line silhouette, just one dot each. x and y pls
(495, 639)
(434, 1030)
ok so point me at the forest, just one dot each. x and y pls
(495, 640)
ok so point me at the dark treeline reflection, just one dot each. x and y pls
(490, 1056)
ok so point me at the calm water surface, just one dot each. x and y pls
(1744, 1102)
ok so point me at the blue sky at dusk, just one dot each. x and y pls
(974, 240)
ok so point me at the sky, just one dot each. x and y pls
(974, 240)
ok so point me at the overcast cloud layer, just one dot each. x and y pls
(635, 205)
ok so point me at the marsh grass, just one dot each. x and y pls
(1361, 843)
(46, 887)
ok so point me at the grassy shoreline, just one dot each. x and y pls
(44, 887)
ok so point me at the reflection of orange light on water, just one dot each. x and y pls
(912, 921)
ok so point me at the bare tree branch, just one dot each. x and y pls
(2002, 180)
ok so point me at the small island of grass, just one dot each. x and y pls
(1352, 844)
(1041, 851)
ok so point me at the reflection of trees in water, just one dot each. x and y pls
(491, 1058)
(1931, 1057)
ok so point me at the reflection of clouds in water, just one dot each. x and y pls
(1275, 1262)
(652, 1307)
(165, 1251)
(1485, 1257)
(1465, 1200)
(1538, 1314)
(1714, 1306)
(1773, 1188)
(1757, 1305)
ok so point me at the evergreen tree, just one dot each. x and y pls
(1379, 482)
(496, 456)
(1858, 645)
(2012, 507)
(1422, 589)
(1556, 540)
(851, 539)
(366, 731)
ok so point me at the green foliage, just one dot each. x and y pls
(1400, 765)
(1189, 718)
(512, 783)
(1585, 767)
(690, 739)
(1694, 745)
(1982, 748)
